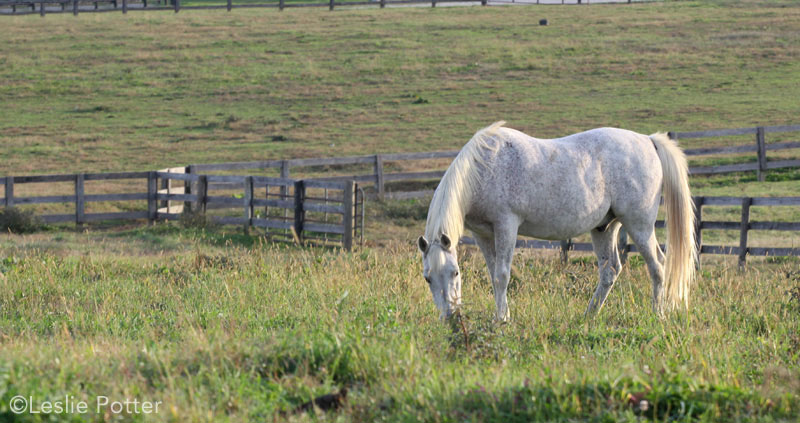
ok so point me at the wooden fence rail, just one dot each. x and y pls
(378, 177)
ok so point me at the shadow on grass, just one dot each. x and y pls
(171, 235)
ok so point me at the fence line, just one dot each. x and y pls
(744, 226)
(350, 205)
(761, 165)
(305, 226)
(75, 6)
(378, 177)
(197, 183)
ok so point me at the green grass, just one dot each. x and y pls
(220, 326)
(219, 331)
(151, 90)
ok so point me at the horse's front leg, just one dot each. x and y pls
(505, 240)
(485, 241)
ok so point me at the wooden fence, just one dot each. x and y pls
(759, 146)
(303, 215)
(378, 178)
(26, 7)
(744, 226)
(80, 198)
(311, 220)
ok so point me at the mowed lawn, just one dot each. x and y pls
(148, 90)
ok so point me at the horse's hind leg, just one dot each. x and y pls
(648, 247)
(608, 264)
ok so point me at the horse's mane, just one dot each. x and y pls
(455, 191)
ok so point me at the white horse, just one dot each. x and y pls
(504, 183)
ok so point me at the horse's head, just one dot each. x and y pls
(440, 269)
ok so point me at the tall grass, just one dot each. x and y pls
(248, 333)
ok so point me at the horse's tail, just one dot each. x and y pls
(681, 248)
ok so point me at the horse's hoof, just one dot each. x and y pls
(502, 320)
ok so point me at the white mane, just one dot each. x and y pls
(454, 193)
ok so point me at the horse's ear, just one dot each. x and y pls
(422, 243)
(445, 241)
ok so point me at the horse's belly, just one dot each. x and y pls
(562, 226)
(538, 230)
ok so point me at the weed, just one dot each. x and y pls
(196, 220)
(19, 221)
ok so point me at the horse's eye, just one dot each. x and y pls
(455, 273)
(427, 279)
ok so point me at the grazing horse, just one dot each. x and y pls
(504, 183)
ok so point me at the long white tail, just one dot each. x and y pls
(681, 248)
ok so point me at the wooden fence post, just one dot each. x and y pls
(379, 187)
(124, 6)
(762, 153)
(299, 211)
(164, 185)
(152, 201)
(383, 4)
(248, 203)
(698, 226)
(347, 218)
(565, 246)
(285, 169)
(9, 191)
(280, 5)
(80, 204)
(230, 5)
(284, 190)
(41, 9)
(202, 193)
(75, 7)
(187, 188)
(330, 5)
(746, 201)
(177, 4)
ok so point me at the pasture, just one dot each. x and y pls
(223, 330)
(220, 326)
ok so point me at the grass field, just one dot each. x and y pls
(151, 90)
(221, 327)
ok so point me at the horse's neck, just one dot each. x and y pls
(449, 216)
